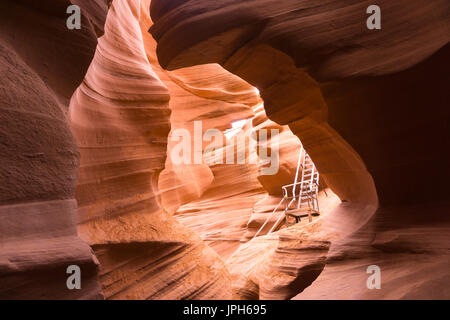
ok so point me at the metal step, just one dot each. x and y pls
(299, 198)
(302, 213)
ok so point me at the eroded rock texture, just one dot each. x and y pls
(120, 116)
(214, 200)
(41, 64)
(127, 187)
(370, 107)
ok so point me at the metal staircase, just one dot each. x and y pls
(300, 199)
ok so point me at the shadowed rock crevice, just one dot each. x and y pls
(42, 63)
(371, 108)
(87, 125)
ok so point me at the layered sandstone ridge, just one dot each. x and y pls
(216, 200)
(120, 116)
(127, 186)
(370, 107)
(41, 64)
(207, 96)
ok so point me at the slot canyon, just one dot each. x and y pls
(90, 121)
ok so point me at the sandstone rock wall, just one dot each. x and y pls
(120, 116)
(41, 63)
(370, 107)
(216, 201)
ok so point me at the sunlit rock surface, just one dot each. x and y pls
(213, 200)
(207, 94)
(371, 108)
(120, 116)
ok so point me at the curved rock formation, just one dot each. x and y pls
(288, 147)
(120, 118)
(213, 200)
(370, 107)
(39, 157)
(206, 93)
(100, 177)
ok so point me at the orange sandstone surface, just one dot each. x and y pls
(371, 108)
(89, 126)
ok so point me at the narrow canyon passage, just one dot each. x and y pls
(134, 149)
(129, 187)
(373, 114)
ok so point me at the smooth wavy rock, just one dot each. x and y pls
(370, 107)
(120, 116)
(41, 63)
(207, 94)
(211, 199)
(288, 148)
(221, 214)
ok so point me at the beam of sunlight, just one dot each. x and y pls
(236, 126)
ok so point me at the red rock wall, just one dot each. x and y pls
(120, 116)
(127, 188)
(370, 107)
(41, 68)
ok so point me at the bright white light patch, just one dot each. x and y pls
(256, 90)
(239, 124)
(235, 128)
